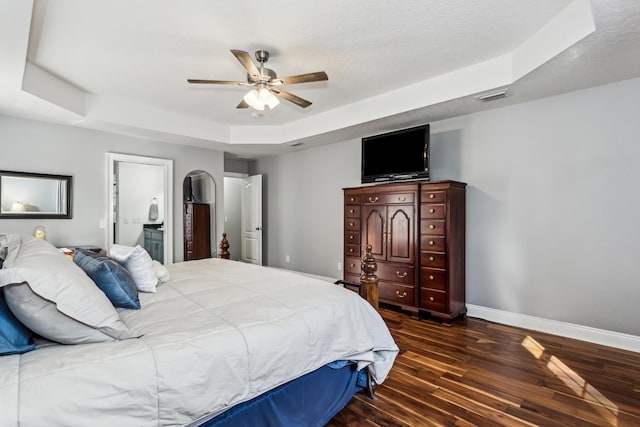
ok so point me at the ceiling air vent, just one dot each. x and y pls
(492, 96)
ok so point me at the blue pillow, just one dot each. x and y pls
(14, 336)
(110, 277)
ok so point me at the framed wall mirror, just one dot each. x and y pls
(27, 195)
(140, 204)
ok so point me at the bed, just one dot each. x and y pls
(212, 343)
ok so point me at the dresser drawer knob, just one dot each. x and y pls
(350, 237)
(431, 277)
(351, 211)
(352, 265)
(432, 196)
(432, 210)
(431, 226)
(352, 199)
(403, 274)
(403, 295)
(432, 299)
(431, 242)
(351, 250)
(373, 199)
(431, 258)
(351, 224)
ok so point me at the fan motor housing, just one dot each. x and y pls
(267, 74)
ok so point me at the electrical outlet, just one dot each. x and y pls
(339, 266)
(287, 258)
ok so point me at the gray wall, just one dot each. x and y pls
(552, 205)
(34, 146)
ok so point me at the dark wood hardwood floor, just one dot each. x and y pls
(479, 373)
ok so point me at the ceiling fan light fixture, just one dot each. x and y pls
(260, 98)
(264, 82)
(252, 98)
(268, 98)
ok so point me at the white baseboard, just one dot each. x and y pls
(569, 330)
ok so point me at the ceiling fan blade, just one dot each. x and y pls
(302, 78)
(243, 104)
(214, 82)
(247, 63)
(291, 97)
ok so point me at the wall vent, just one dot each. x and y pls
(492, 96)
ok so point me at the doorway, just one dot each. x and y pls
(140, 200)
(243, 217)
(199, 215)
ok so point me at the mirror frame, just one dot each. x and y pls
(41, 215)
(168, 199)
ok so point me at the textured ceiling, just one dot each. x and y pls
(122, 66)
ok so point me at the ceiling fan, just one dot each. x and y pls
(265, 82)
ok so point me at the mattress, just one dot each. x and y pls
(217, 334)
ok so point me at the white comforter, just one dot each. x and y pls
(217, 334)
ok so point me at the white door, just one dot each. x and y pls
(251, 217)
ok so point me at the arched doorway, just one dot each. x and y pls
(199, 215)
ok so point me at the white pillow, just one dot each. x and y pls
(161, 272)
(138, 263)
(54, 298)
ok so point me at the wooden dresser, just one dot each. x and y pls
(417, 232)
(197, 234)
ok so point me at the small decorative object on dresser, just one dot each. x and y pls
(417, 234)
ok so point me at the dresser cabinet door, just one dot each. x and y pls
(400, 240)
(375, 231)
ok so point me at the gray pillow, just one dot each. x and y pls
(54, 298)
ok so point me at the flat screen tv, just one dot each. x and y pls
(395, 156)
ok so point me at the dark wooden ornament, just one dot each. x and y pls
(224, 247)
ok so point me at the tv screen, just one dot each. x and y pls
(398, 155)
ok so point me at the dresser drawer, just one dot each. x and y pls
(395, 292)
(388, 199)
(432, 210)
(432, 243)
(352, 237)
(352, 265)
(352, 250)
(433, 299)
(352, 211)
(431, 278)
(355, 278)
(433, 196)
(434, 227)
(395, 272)
(350, 199)
(352, 224)
(433, 259)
